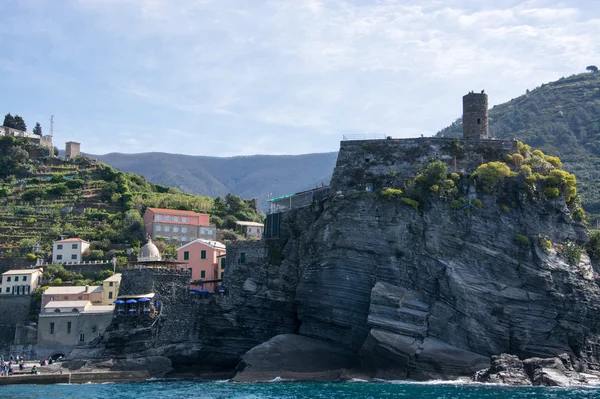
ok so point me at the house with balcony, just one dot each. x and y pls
(21, 281)
(202, 258)
(177, 227)
(69, 251)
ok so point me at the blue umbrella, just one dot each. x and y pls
(131, 301)
(144, 300)
(203, 291)
(132, 310)
(119, 302)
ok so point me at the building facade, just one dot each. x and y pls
(87, 293)
(72, 150)
(20, 282)
(475, 115)
(69, 251)
(201, 257)
(110, 289)
(250, 229)
(178, 227)
(62, 325)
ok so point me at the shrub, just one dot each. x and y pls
(435, 188)
(538, 153)
(593, 245)
(517, 159)
(572, 252)
(579, 214)
(411, 202)
(522, 240)
(525, 170)
(478, 203)
(454, 176)
(545, 244)
(4, 192)
(74, 183)
(30, 257)
(505, 208)
(455, 204)
(551, 192)
(390, 193)
(58, 190)
(492, 173)
(33, 194)
(554, 161)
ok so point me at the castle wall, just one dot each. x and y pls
(385, 163)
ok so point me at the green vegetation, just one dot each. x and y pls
(560, 118)
(545, 244)
(390, 193)
(411, 202)
(593, 245)
(572, 252)
(522, 240)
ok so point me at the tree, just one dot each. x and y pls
(37, 129)
(19, 123)
(9, 121)
(592, 68)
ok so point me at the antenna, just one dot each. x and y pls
(51, 125)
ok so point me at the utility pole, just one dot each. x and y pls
(51, 135)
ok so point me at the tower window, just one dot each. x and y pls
(478, 121)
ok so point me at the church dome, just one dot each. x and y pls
(149, 252)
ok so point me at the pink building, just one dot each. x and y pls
(202, 257)
(92, 293)
(178, 227)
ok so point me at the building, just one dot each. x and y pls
(178, 226)
(250, 229)
(475, 116)
(62, 325)
(69, 251)
(87, 293)
(72, 150)
(221, 259)
(202, 258)
(110, 289)
(20, 282)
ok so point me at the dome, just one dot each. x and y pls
(149, 252)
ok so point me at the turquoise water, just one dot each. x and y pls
(226, 390)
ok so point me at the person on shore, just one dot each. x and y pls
(34, 370)
(10, 368)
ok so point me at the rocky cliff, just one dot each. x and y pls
(399, 291)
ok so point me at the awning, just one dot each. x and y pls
(150, 295)
(144, 300)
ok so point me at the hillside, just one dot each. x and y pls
(254, 176)
(44, 198)
(561, 118)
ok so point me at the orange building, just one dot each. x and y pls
(202, 258)
(178, 227)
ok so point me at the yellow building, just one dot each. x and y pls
(110, 289)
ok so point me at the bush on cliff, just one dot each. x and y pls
(522, 240)
(411, 202)
(490, 174)
(593, 245)
(390, 193)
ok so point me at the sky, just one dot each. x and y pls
(243, 77)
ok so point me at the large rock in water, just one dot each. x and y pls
(294, 357)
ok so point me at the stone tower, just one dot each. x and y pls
(71, 150)
(475, 116)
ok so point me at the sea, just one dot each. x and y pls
(184, 389)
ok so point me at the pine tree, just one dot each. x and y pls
(19, 123)
(9, 121)
(37, 129)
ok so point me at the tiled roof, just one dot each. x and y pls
(212, 244)
(71, 290)
(21, 271)
(174, 211)
(71, 240)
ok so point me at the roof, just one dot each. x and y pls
(99, 309)
(150, 295)
(71, 240)
(209, 243)
(66, 304)
(254, 224)
(175, 211)
(70, 290)
(114, 277)
(21, 271)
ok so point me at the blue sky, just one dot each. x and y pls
(239, 77)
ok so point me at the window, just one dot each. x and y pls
(184, 220)
(222, 264)
(58, 257)
(243, 258)
(176, 218)
(75, 310)
(176, 229)
(158, 217)
(203, 274)
(24, 278)
(73, 246)
(478, 121)
(168, 218)
(74, 256)
(57, 310)
(158, 228)
(0, 290)
(175, 238)
(27, 289)
(110, 295)
(80, 297)
(66, 298)
(167, 228)
(81, 337)
(8, 279)
(110, 283)
(51, 328)
(184, 229)
(183, 238)
(186, 255)
(68, 327)
(203, 254)
(59, 246)
(16, 278)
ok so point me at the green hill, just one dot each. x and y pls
(43, 198)
(561, 118)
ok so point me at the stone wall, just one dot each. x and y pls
(13, 310)
(475, 116)
(385, 163)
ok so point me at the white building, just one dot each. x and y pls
(20, 282)
(250, 229)
(69, 250)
